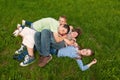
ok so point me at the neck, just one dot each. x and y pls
(80, 53)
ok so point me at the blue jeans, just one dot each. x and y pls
(37, 39)
(44, 41)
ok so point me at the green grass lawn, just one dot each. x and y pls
(99, 20)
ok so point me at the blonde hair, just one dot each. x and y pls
(64, 17)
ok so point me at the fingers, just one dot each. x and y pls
(95, 60)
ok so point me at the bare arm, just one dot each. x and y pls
(85, 67)
(94, 61)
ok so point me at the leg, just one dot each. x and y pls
(45, 42)
(30, 51)
(28, 39)
(21, 49)
(28, 58)
(37, 39)
(43, 46)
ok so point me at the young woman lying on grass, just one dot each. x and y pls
(77, 54)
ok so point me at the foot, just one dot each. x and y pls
(20, 50)
(18, 30)
(21, 56)
(27, 61)
(18, 26)
(44, 60)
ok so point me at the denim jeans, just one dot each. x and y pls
(44, 41)
(37, 39)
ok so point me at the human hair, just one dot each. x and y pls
(79, 48)
(78, 30)
(63, 16)
(92, 53)
(67, 27)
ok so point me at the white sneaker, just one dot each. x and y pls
(23, 22)
(20, 50)
(18, 26)
(27, 60)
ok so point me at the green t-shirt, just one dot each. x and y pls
(46, 23)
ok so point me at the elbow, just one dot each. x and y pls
(82, 69)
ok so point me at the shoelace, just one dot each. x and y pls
(26, 58)
(21, 49)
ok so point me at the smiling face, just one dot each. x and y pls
(85, 52)
(62, 30)
(74, 34)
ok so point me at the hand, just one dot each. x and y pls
(75, 44)
(94, 61)
(16, 32)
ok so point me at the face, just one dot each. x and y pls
(85, 52)
(62, 21)
(62, 30)
(74, 34)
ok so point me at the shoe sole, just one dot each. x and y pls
(47, 61)
(27, 64)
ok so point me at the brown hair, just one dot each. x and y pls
(78, 30)
(92, 53)
(67, 27)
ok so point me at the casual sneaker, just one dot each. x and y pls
(44, 60)
(23, 22)
(18, 26)
(20, 57)
(27, 61)
(19, 51)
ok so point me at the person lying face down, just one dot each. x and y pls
(43, 23)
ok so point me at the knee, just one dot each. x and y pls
(37, 36)
(45, 31)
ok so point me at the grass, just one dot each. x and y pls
(99, 20)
